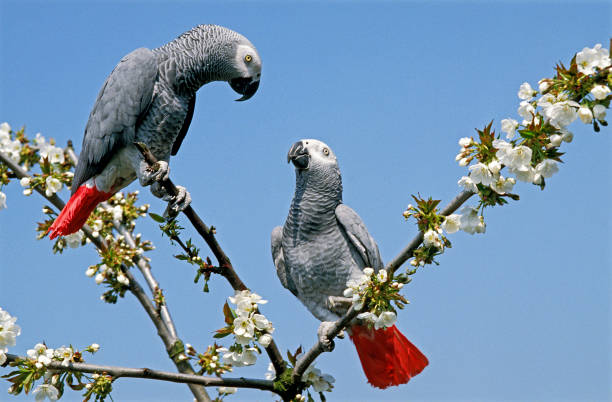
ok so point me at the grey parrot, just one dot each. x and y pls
(323, 245)
(150, 97)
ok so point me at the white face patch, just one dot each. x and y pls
(248, 62)
(319, 151)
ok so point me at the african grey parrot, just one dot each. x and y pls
(150, 97)
(323, 245)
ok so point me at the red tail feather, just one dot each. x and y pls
(387, 357)
(77, 210)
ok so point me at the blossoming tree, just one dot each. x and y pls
(528, 151)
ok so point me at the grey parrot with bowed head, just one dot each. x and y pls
(150, 97)
(322, 246)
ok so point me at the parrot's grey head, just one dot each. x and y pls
(316, 168)
(247, 65)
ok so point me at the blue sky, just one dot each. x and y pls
(519, 313)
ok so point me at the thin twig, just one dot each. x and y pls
(146, 373)
(223, 261)
(305, 361)
(183, 366)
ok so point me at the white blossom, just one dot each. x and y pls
(588, 59)
(430, 238)
(509, 127)
(494, 166)
(41, 354)
(599, 111)
(526, 110)
(319, 381)
(585, 115)
(480, 173)
(503, 185)
(382, 275)
(467, 184)
(386, 319)
(74, 240)
(117, 212)
(526, 92)
(227, 390)
(99, 278)
(561, 114)
(543, 85)
(600, 91)
(44, 391)
(243, 326)
(2, 200)
(451, 223)
(471, 222)
(53, 185)
(12, 149)
(265, 340)
(525, 174)
(2, 356)
(566, 135)
(122, 279)
(94, 347)
(547, 168)
(368, 271)
(39, 140)
(9, 331)
(5, 128)
(53, 154)
(555, 140)
(515, 158)
(465, 142)
(463, 162)
(25, 182)
(64, 353)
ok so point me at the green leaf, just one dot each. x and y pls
(157, 218)
(227, 312)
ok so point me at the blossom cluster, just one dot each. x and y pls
(209, 361)
(247, 325)
(376, 291)
(9, 331)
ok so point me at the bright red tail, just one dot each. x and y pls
(77, 210)
(387, 357)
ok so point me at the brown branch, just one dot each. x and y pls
(224, 262)
(146, 373)
(183, 366)
(307, 359)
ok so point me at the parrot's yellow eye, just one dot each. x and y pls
(248, 58)
(325, 151)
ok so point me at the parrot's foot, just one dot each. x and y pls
(177, 203)
(159, 172)
(323, 334)
(339, 304)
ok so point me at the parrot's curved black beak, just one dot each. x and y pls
(299, 156)
(245, 86)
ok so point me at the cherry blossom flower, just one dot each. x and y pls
(467, 184)
(382, 275)
(502, 185)
(526, 92)
(451, 223)
(465, 141)
(44, 391)
(585, 115)
(600, 91)
(561, 114)
(599, 112)
(480, 173)
(53, 154)
(265, 340)
(588, 59)
(2, 200)
(526, 173)
(53, 185)
(555, 140)
(9, 331)
(319, 381)
(227, 390)
(386, 319)
(430, 238)
(471, 222)
(509, 127)
(526, 110)
(547, 168)
(40, 354)
(74, 240)
(543, 85)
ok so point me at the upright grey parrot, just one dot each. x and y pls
(150, 97)
(323, 245)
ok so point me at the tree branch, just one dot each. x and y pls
(183, 366)
(224, 262)
(307, 359)
(146, 373)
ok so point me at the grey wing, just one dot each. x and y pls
(279, 260)
(121, 105)
(359, 236)
(186, 124)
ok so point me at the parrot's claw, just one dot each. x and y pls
(323, 334)
(339, 304)
(156, 173)
(178, 203)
